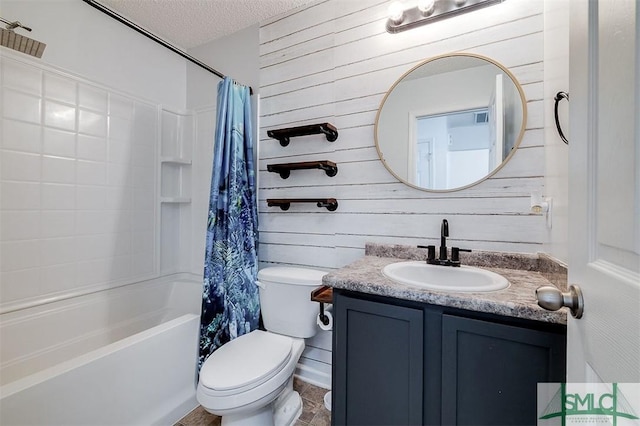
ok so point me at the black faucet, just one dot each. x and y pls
(444, 233)
(443, 258)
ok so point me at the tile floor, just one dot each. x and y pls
(314, 412)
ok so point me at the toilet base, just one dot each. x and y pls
(263, 416)
(284, 411)
(287, 408)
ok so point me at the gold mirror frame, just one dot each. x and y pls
(497, 168)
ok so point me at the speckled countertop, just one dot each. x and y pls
(524, 272)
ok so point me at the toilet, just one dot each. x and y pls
(249, 380)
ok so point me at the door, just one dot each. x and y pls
(424, 168)
(604, 193)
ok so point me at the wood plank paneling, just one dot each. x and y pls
(495, 188)
(333, 62)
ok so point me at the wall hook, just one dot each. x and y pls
(560, 96)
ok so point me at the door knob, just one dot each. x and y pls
(552, 299)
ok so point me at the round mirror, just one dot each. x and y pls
(450, 122)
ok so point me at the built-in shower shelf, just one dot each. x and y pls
(284, 135)
(330, 204)
(284, 169)
(176, 160)
(175, 200)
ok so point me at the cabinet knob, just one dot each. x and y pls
(552, 299)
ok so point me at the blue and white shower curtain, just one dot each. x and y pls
(230, 302)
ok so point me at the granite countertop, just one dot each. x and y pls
(518, 300)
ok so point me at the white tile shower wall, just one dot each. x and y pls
(84, 41)
(333, 61)
(78, 185)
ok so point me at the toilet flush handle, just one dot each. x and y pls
(261, 285)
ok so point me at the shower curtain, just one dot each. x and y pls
(230, 303)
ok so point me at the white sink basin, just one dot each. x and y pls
(444, 278)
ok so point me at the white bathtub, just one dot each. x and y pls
(125, 356)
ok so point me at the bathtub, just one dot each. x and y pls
(125, 356)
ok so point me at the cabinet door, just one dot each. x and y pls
(378, 355)
(490, 371)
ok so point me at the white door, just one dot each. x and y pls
(604, 190)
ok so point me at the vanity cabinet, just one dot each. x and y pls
(378, 364)
(399, 362)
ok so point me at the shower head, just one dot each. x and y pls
(9, 38)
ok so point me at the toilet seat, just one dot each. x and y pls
(245, 362)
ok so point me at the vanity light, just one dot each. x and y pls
(396, 12)
(426, 7)
(426, 11)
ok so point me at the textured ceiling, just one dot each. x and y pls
(190, 23)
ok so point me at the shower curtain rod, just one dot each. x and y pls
(155, 38)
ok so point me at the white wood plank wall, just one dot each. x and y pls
(333, 61)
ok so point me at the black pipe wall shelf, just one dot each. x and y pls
(284, 135)
(284, 169)
(330, 204)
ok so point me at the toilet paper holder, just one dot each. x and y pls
(322, 295)
(323, 317)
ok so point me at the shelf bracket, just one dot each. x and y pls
(284, 135)
(330, 204)
(284, 169)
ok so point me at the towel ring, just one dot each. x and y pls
(560, 96)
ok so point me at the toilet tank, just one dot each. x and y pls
(285, 300)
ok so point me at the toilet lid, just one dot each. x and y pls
(249, 359)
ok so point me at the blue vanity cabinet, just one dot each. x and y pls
(491, 370)
(399, 362)
(378, 361)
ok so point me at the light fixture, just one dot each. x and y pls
(426, 7)
(396, 12)
(426, 11)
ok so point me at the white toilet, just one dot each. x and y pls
(249, 381)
